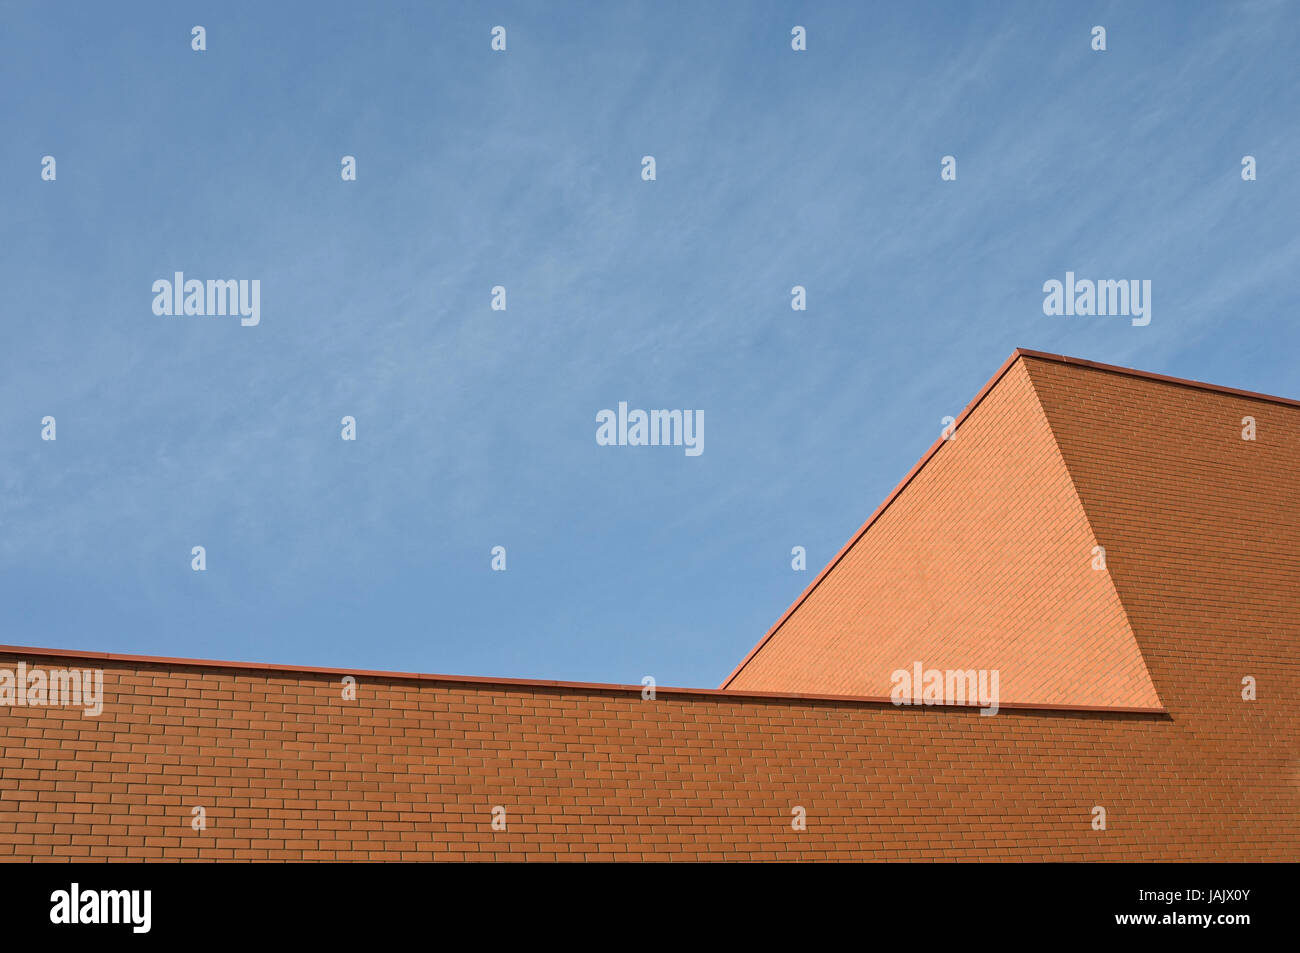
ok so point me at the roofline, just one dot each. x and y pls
(1016, 355)
(718, 694)
(879, 511)
(1152, 376)
(722, 692)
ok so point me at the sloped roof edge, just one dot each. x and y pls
(1016, 355)
(903, 484)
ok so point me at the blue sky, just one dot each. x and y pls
(476, 428)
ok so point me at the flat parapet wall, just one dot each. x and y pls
(285, 764)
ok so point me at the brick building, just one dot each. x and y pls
(1111, 542)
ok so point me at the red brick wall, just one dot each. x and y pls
(1203, 534)
(1202, 528)
(287, 769)
(983, 561)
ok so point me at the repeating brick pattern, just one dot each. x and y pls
(1203, 529)
(983, 561)
(1204, 554)
(287, 770)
